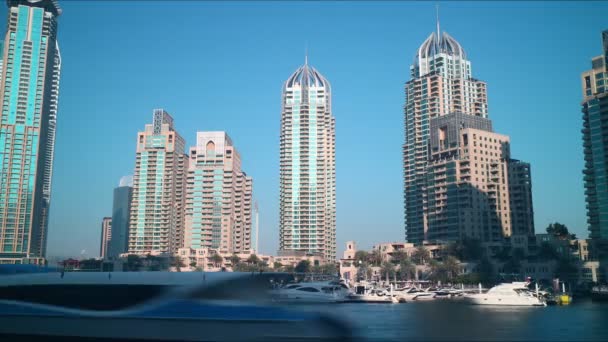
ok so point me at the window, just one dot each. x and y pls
(308, 289)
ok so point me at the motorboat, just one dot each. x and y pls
(414, 293)
(153, 306)
(367, 294)
(507, 294)
(312, 292)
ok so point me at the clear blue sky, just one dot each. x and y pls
(220, 66)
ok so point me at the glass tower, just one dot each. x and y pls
(121, 209)
(29, 90)
(307, 166)
(441, 83)
(595, 146)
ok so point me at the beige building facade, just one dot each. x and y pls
(157, 207)
(218, 207)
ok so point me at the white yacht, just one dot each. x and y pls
(368, 294)
(507, 294)
(152, 306)
(312, 292)
(414, 293)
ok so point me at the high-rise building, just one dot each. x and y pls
(29, 91)
(441, 83)
(106, 236)
(457, 171)
(307, 166)
(467, 181)
(121, 211)
(595, 146)
(520, 196)
(157, 207)
(218, 196)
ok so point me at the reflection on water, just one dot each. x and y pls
(448, 320)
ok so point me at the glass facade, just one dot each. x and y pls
(31, 66)
(307, 157)
(595, 148)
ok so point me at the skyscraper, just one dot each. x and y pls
(457, 171)
(218, 196)
(29, 90)
(106, 236)
(307, 166)
(595, 146)
(157, 207)
(121, 211)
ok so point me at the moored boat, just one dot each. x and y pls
(507, 294)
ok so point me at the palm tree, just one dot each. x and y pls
(406, 269)
(361, 256)
(452, 267)
(234, 261)
(421, 255)
(217, 260)
(397, 256)
(375, 258)
(303, 266)
(277, 266)
(253, 259)
(387, 270)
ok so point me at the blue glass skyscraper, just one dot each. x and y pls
(595, 147)
(29, 89)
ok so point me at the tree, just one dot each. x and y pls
(234, 260)
(560, 231)
(566, 270)
(406, 269)
(398, 256)
(277, 266)
(387, 270)
(361, 256)
(178, 263)
(329, 268)
(217, 260)
(421, 255)
(374, 258)
(303, 266)
(134, 263)
(486, 272)
(364, 271)
(253, 259)
(316, 269)
(289, 269)
(193, 264)
(451, 266)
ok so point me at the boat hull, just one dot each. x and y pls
(484, 300)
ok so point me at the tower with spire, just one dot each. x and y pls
(307, 207)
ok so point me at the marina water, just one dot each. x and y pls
(447, 320)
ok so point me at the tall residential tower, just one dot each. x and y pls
(29, 91)
(218, 196)
(157, 208)
(106, 236)
(307, 166)
(595, 147)
(456, 169)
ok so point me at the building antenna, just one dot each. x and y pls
(437, 19)
(306, 54)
